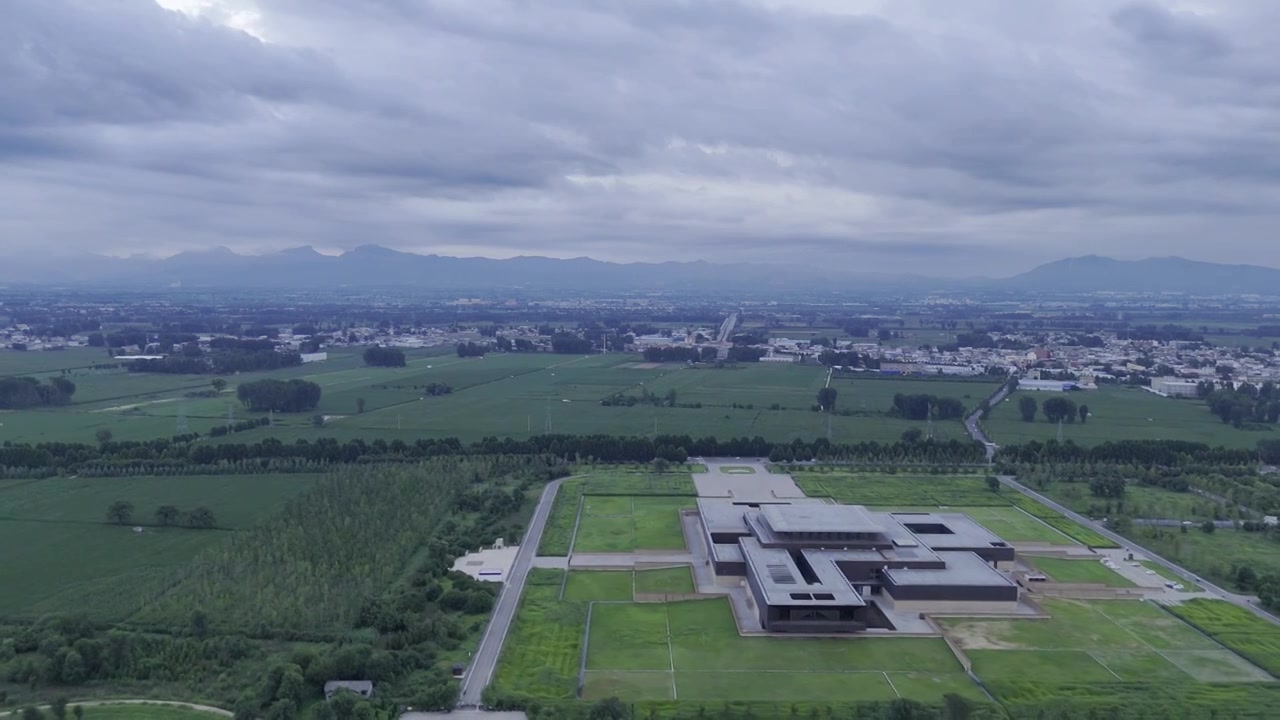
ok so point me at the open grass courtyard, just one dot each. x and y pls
(692, 651)
(626, 523)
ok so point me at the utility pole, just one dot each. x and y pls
(1059, 430)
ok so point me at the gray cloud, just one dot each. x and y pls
(973, 137)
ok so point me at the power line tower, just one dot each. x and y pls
(182, 427)
(1059, 430)
(928, 432)
(546, 422)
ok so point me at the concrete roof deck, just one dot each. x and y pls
(725, 515)
(965, 532)
(820, 518)
(784, 584)
(964, 569)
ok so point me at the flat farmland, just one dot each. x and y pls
(1098, 641)
(66, 558)
(692, 651)
(1120, 414)
(33, 362)
(875, 393)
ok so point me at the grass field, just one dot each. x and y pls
(1097, 642)
(620, 523)
(1015, 525)
(1236, 628)
(1140, 501)
(541, 655)
(1215, 555)
(514, 395)
(600, 585)
(665, 580)
(1079, 571)
(903, 490)
(1120, 414)
(692, 651)
(68, 559)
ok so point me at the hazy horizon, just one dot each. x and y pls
(905, 136)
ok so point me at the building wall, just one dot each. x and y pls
(954, 607)
(951, 593)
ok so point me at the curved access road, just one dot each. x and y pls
(480, 670)
(171, 703)
(1243, 601)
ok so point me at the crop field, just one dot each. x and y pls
(692, 651)
(69, 559)
(1236, 628)
(874, 393)
(613, 523)
(541, 655)
(1079, 571)
(1097, 642)
(1214, 555)
(514, 395)
(1120, 414)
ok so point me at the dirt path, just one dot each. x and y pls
(173, 703)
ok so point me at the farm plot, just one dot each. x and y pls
(541, 655)
(692, 651)
(1120, 414)
(625, 524)
(58, 540)
(1014, 525)
(903, 490)
(1101, 641)
(1236, 628)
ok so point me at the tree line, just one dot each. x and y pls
(120, 512)
(384, 357)
(18, 393)
(922, 407)
(1055, 409)
(164, 456)
(274, 395)
(219, 362)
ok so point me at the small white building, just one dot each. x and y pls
(1174, 387)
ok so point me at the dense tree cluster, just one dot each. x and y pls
(279, 395)
(1244, 404)
(218, 362)
(1059, 409)
(743, 353)
(472, 349)
(384, 357)
(644, 398)
(849, 358)
(17, 393)
(567, 343)
(922, 407)
(679, 354)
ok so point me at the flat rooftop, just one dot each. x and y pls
(784, 584)
(962, 532)
(815, 518)
(725, 514)
(964, 569)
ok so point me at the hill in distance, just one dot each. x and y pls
(376, 267)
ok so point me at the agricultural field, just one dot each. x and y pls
(1117, 413)
(1212, 555)
(70, 559)
(515, 395)
(691, 651)
(619, 523)
(1236, 628)
(1079, 571)
(42, 362)
(1097, 642)
(623, 585)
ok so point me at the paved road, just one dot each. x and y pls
(726, 328)
(480, 670)
(1243, 601)
(91, 703)
(975, 431)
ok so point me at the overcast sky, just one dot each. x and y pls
(936, 136)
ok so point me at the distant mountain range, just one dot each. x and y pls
(372, 266)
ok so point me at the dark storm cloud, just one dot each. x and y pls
(973, 137)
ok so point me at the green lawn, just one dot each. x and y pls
(541, 655)
(558, 533)
(1015, 525)
(1096, 642)
(623, 524)
(900, 490)
(1079, 571)
(1120, 414)
(1236, 628)
(589, 585)
(665, 580)
(692, 651)
(69, 559)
